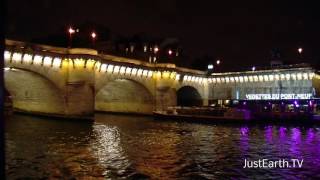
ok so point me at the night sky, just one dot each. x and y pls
(237, 32)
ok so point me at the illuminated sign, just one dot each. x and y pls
(278, 96)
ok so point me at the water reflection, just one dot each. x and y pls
(122, 147)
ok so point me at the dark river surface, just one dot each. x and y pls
(133, 147)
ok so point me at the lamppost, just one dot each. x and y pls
(93, 38)
(300, 51)
(70, 31)
(218, 62)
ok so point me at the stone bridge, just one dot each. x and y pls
(74, 83)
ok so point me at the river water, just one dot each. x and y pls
(133, 147)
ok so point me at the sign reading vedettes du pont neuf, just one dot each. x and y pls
(278, 96)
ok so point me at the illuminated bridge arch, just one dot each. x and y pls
(32, 92)
(124, 96)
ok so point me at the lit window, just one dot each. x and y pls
(145, 73)
(256, 79)
(305, 76)
(177, 77)
(214, 80)
(110, 68)
(266, 78)
(128, 70)
(165, 74)
(37, 59)
(288, 76)
(150, 74)
(311, 75)
(16, 57)
(245, 78)
(134, 71)
(260, 78)
(172, 75)
(227, 79)
(236, 79)
(139, 73)
(79, 63)
(299, 76)
(122, 70)
(90, 63)
(144, 48)
(158, 75)
(7, 55)
(189, 78)
(277, 77)
(232, 79)
(241, 79)
(185, 78)
(294, 77)
(282, 76)
(104, 68)
(251, 78)
(131, 48)
(218, 80)
(98, 65)
(271, 77)
(27, 58)
(56, 62)
(47, 61)
(116, 69)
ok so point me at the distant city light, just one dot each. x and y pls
(218, 62)
(210, 66)
(253, 68)
(169, 52)
(300, 50)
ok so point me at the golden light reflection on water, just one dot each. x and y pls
(107, 149)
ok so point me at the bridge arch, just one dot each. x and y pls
(124, 96)
(189, 96)
(32, 92)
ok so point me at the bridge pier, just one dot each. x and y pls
(165, 99)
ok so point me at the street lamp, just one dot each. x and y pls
(93, 37)
(218, 62)
(169, 52)
(70, 31)
(300, 50)
(156, 49)
(253, 68)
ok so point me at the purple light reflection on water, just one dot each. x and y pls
(295, 143)
(310, 136)
(282, 133)
(244, 139)
(268, 134)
